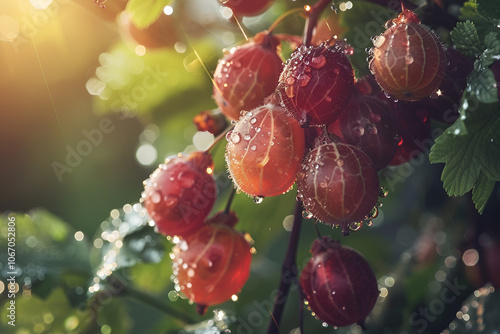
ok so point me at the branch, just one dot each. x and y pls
(288, 271)
(312, 17)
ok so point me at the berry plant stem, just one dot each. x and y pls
(312, 17)
(131, 292)
(227, 208)
(288, 272)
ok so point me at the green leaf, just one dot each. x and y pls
(131, 84)
(126, 239)
(466, 39)
(145, 12)
(482, 83)
(467, 156)
(46, 251)
(481, 191)
(469, 12)
(490, 10)
(492, 52)
(53, 314)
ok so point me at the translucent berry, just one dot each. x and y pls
(214, 263)
(246, 7)
(315, 85)
(180, 193)
(408, 60)
(247, 74)
(339, 284)
(338, 184)
(264, 151)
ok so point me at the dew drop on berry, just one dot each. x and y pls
(171, 201)
(307, 214)
(258, 199)
(383, 192)
(155, 197)
(318, 62)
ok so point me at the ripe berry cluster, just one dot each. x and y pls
(310, 122)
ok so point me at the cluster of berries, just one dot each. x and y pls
(309, 122)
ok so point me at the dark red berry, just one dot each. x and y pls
(338, 184)
(213, 263)
(443, 105)
(408, 60)
(264, 151)
(247, 75)
(315, 85)
(246, 7)
(414, 131)
(180, 193)
(339, 284)
(369, 123)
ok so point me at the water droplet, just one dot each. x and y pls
(408, 59)
(323, 184)
(190, 272)
(328, 99)
(290, 80)
(307, 214)
(373, 213)
(171, 201)
(355, 226)
(155, 197)
(383, 192)
(253, 120)
(358, 130)
(247, 137)
(186, 179)
(318, 62)
(324, 324)
(304, 79)
(258, 199)
(262, 160)
(378, 41)
(235, 137)
(253, 147)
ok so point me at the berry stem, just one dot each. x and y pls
(288, 272)
(313, 13)
(282, 17)
(317, 230)
(230, 200)
(219, 137)
(128, 290)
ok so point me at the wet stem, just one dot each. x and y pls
(288, 273)
(128, 290)
(312, 17)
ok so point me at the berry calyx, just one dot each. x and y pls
(408, 60)
(338, 184)
(214, 263)
(264, 151)
(180, 193)
(315, 85)
(246, 7)
(339, 284)
(247, 75)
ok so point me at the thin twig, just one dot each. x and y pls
(288, 271)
